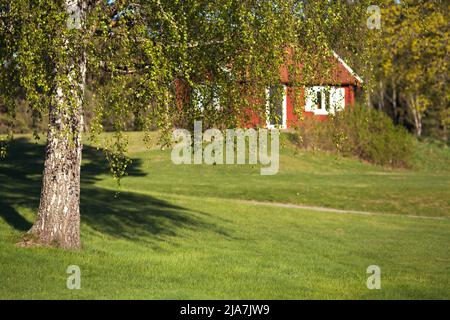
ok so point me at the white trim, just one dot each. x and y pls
(321, 112)
(311, 100)
(336, 99)
(346, 66)
(284, 107)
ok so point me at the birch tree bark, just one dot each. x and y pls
(58, 220)
(417, 115)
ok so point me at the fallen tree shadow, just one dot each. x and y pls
(130, 215)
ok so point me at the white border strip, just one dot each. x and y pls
(353, 73)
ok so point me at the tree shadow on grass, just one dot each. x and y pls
(128, 215)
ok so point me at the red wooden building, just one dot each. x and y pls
(329, 95)
(333, 94)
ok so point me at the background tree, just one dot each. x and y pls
(412, 61)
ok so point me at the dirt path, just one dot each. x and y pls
(332, 210)
(298, 206)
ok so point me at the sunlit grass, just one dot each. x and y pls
(182, 232)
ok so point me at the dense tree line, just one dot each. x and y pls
(411, 66)
(405, 63)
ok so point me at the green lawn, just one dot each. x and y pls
(183, 231)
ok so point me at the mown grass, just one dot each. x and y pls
(180, 232)
(318, 179)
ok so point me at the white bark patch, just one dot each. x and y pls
(53, 199)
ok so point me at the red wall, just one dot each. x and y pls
(339, 77)
(292, 118)
(299, 104)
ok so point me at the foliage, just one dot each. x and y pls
(22, 121)
(3, 148)
(411, 54)
(115, 154)
(362, 132)
(142, 53)
(431, 155)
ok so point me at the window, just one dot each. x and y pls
(324, 100)
(318, 102)
(276, 107)
(337, 96)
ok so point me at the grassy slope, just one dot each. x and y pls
(169, 235)
(305, 178)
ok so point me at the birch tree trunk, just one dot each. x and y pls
(381, 96)
(416, 115)
(394, 101)
(58, 221)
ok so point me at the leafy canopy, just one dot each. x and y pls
(143, 54)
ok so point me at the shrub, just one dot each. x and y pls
(359, 131)
(431, 155)
(23, 120)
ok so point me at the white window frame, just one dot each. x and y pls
(336, 103)
(337, 97)
(284, 110)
